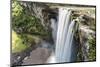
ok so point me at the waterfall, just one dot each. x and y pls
(65, 32)
(54, 29)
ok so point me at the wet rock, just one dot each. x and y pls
(38, 56)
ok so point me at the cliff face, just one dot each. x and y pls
(41, 11)
(86, 34)
(87, 37)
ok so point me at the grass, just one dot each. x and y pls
(17, 43)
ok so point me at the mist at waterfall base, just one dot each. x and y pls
(63, 35)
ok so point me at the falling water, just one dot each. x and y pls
(54, 29)
(65, 32)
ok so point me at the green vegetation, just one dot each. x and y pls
(92, 49)
(27, 29)
(17, 43)
(22, 22)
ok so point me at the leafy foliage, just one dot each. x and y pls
(92, 49)
(22, 22)
(17, 43)
(25, 27)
